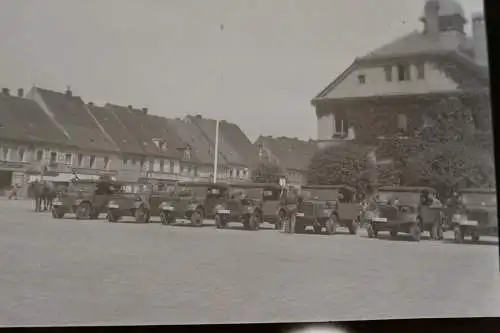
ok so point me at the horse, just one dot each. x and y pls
(43, 193)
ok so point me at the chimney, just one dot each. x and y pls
(6, 91)
(145, 110)
(91, 103)
(198, 116)
(129, 107)
(69, 93)
(20, 92)
(479, 41)
(431, 18)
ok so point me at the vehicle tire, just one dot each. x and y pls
(141, 215)
(94, 215)
(475, 237)
(459, 234)
(292, 223)
(197, 218)
(415, 232)
(371, 231)
(57, 213)
(220, 223)
(353, 228)
(280, 221)
(83, 211)
(331, 225)
(317, 229)
(111, 216)
(394, 234)
(165, 218)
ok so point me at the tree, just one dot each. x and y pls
(267, 173)
(347, 164)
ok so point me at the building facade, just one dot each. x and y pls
(396, 88)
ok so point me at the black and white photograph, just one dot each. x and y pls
(177, 162)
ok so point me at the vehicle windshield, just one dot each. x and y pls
(403, 198)
(215, 192)
(251, 193)
(320, 194)
(84, 187)
(477, 199)
(271, 194)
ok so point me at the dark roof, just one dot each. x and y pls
(23, 119)
(145, 131)
(241, 143)
(73, 115)
(160, 128)
(120, 134)
(292, 153)
(226, 149)
(194, 136)
(327, 187)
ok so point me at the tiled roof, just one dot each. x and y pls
(23, 119)
(208, 126)
(121, 135)
(73, 115)
(192, 135)
(160, 128)
(292, 153)
(140, 124)
(241, 143)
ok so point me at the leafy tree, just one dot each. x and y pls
(267, 173)
(346, 164)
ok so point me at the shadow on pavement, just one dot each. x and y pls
(399, 238)
(471, 243)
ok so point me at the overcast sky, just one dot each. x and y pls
(261, 71)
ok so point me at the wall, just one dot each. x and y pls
(376, 85)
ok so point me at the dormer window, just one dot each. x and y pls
(160, 144)
(187, 153)
(362, 79)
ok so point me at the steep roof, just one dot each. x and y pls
(292, 153)
(208, 126)
(73, 115)
(160, 128)
(241, 143)
(456, 50)
(139, 123)
(23, 119)
(121, 135)
(194, 136)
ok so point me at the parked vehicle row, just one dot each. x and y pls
(322, 208)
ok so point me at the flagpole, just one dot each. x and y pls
(216, 157)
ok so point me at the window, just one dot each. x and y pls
(341, 125)
(402, 122)
(106, 163)
(134, 161)
(125, 162)
(189, 169)
(92, 161)
(80, 160)
(172, 166)
(39, 155)
(403, 72)
(187, 153)
(195, 171)
(362, 79)
(388, 73)
(162, 166)
(53, 157)
(68, 158)
(151, 165)
(6, 153)
(21, 153)
(142, 163)
(420, 71)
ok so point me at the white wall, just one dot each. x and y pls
(376, 84)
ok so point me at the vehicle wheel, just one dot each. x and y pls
(459, 234)
(94, 215)
(353, 228)
(111, 216)
(292, 223)
(197, 218)
(219, 222)
(394, 234)
(279, 223)
(441, 231)
(317, 229)
(331, 225)
(475, 237)
(83, 211)
(57, 213)
(415, 232)
(141, 215)
(253, 221)
(371, 231)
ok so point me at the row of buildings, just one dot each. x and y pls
(58, 135)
